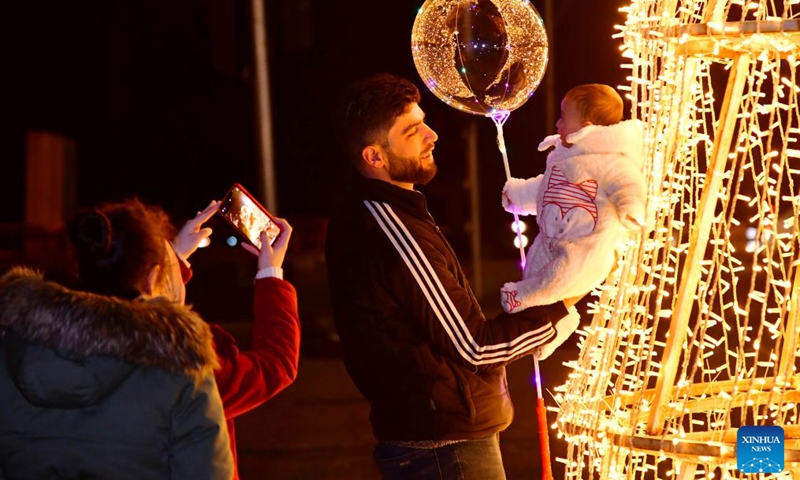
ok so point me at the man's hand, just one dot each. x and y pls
(192, 233)
(272, 255)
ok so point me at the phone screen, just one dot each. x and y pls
(248, 217)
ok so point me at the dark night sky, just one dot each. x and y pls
(158, 96)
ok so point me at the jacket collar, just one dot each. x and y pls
(410, 201)
(149, 333)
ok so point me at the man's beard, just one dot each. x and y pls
(409, 170)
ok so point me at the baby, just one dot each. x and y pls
(592, 190)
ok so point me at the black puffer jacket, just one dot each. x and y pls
(125, 393)
(415, 340)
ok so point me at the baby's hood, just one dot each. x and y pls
(623, 138)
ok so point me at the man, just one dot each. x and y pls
(415, 341)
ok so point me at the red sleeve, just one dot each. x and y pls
(246, 379)
(186, 270)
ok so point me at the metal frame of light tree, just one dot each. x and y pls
(693, 336)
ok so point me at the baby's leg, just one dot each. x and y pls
(514, 296)
(559, 269)
(543, 286)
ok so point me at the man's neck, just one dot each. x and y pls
(380, 174)
(407, 186)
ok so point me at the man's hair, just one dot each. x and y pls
(596, 103)
(369, 109)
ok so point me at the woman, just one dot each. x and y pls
(114, 380)
(248, 378)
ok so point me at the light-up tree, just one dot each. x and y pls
(696, 332)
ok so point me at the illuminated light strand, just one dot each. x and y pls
(744, 291)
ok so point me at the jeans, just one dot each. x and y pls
(468, 460)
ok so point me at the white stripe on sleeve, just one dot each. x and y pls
(441, 303)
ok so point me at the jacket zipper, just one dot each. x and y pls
(452, 255)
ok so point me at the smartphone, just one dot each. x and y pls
(247, 216)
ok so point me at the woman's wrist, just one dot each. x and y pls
(267, 272)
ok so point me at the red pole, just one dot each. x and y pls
(544, 441)
(541, 415)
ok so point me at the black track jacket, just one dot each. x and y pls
(415, 341)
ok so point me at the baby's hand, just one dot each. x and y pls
(508, 205)
(505, 200)
(519, 196)
(632, 223)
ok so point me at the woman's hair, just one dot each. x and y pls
(370, 108)
(596, 103)
(118, 244)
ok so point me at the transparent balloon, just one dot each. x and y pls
(480, 56)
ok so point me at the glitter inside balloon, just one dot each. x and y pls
(480, 56)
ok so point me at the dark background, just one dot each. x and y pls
(158, 96)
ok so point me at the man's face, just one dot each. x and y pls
(570, 121)
(409, 148)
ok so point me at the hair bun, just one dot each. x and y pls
(90, 231)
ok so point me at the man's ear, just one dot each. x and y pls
(152, 280)
(372, 156)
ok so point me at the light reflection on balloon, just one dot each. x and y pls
(480, 56)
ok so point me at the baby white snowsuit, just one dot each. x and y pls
(589, 194)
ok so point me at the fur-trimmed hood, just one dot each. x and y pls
(623, 138)
(79, 325)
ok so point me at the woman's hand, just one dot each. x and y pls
(193, 233)
(272, 255)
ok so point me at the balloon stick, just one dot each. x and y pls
(499, 119)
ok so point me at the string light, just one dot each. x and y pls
(519, 227)
(736, 363)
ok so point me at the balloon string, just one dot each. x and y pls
(499, 119)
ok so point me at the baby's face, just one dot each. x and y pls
(570, 121)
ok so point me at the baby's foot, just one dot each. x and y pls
(564, 328)
(508, 298)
